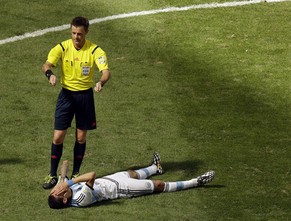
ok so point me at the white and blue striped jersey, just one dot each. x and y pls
(118, 185)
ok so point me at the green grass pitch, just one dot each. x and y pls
(207, 88)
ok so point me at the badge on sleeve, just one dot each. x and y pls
(102, 60)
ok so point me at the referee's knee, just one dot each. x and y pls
(81, 136)
(81, 141)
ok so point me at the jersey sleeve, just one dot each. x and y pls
(55, 54)
(100, 59)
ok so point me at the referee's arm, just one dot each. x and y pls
(105, 76)
(46, 69)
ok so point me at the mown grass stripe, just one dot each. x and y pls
(135, 14)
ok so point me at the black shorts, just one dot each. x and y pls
(75, 103)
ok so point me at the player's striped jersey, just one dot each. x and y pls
(84, 195)
(118, 185)
(78, 65)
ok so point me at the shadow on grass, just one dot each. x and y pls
(11, 161)
(190, 166)
(119, 201)
(217, 186)
(99, 204)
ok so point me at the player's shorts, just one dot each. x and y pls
(128, 187)
(75, 103)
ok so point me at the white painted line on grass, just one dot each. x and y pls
(135, 14)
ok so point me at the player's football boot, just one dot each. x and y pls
(50, 182)
(157, 162)
(205, 178)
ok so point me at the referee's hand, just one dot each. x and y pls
(53, 80)
(98, 87)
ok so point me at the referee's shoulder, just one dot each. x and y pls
(65, 44)
(91, 44)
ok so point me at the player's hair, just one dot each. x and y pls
(56, 202)
(80, 21)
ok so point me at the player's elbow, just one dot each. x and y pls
(93, 175)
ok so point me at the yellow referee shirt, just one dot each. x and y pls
(78, 65)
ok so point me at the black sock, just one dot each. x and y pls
(79, 151)
(56, 154)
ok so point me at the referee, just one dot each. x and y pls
(78, 59)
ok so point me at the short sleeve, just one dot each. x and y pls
(100, 59)
(55, 54)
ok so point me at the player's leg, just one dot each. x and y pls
(181, 185)
(153, 169)
(79, 151)
(129, 187)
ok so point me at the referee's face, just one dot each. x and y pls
(78, 36)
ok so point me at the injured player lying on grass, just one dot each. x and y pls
(86, 189)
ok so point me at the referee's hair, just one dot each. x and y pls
(80, 21)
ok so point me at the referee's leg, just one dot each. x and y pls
(79, 151)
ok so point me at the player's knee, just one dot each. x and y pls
(133, 174)
(159, 186)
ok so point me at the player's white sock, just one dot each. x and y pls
(180, 185)
(146, 172)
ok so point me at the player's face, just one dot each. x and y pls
(78, 36)
(64, 196)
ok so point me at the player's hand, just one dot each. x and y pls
(98, 87)
(60, 188)
(53, 80)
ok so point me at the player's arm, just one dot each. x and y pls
(89, 178)
(46, 69)
(61, 187)
(64, 170)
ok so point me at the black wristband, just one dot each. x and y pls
(102, 83)
(48, 74)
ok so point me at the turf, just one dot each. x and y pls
(207, 88)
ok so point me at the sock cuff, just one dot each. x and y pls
(57, 145)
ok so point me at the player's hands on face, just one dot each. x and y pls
(98, 87)
(60, 188)
(53, 80)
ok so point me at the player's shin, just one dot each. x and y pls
(146, 172)
(179, 185)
